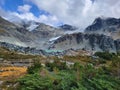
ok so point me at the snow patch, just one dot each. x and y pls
(54, 38)
(71, 32)
(32, 27)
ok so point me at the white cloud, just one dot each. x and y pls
(88, 5)
(26, 15)
(49, 19)
(15, 16)
(24, 8)
(79, 12)
(2, 12)
(74, 12)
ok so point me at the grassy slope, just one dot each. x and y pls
(85, 74)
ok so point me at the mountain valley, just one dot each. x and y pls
(102, 35)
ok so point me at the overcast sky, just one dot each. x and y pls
(55, 12)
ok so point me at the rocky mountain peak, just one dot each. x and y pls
(106, 26)
(103, 22)
(107, 21)
(97, 37)
(112, 21)
(92, 42)
(67, 27)
(44, 27)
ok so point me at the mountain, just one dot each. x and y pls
(102, 35)
(25, 50)
(10, 33)
(67, 27)
(28, 25)
(106, 26)
(27, 34)
(90, 42)
(45, 33)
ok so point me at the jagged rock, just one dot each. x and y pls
(106, 26)
(67, 27)
(26, 50)
(20, 34)
(93, 42)
(31, 37)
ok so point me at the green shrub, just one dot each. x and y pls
(58, 64)
(35, 82)
(34, 68)
(57, 76)
(105, 55)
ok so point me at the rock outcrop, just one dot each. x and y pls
(25, 50)
(91, 42)
(106, 26)
(67, 27)
(19, 34)
(31, 37)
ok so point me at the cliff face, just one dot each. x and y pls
(23, 35)
(102, 35)
(92, 42)
(26, 50)
(108, 26)
(10, 33)
(67, 27)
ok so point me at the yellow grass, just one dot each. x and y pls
(12, 72)
(2, 31)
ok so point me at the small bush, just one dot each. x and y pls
(58, 64)
(34, 68)
(105, 55)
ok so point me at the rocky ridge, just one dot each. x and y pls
(106, 26)
(102, 35)
(90, 42)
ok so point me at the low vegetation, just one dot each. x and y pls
(59, 76)
(11, 55)
(12, 71)
(105, 55)
(98, 72)
(9, 76)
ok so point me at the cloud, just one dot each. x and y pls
(75, 12)
(24, 8)
(88, 5)
(79, 12)
(2, 12)
(49, 19)
(11, 16)
(26, 15)
(15, 16)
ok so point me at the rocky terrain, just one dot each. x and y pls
(38, 38)
(90, 42)
(20, 34)
(32, 51)
(67, 27)
(106, 26)
(13, 34)
(102, 35)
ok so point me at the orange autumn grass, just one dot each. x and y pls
(12, 71)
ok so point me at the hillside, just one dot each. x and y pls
(106, 26)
